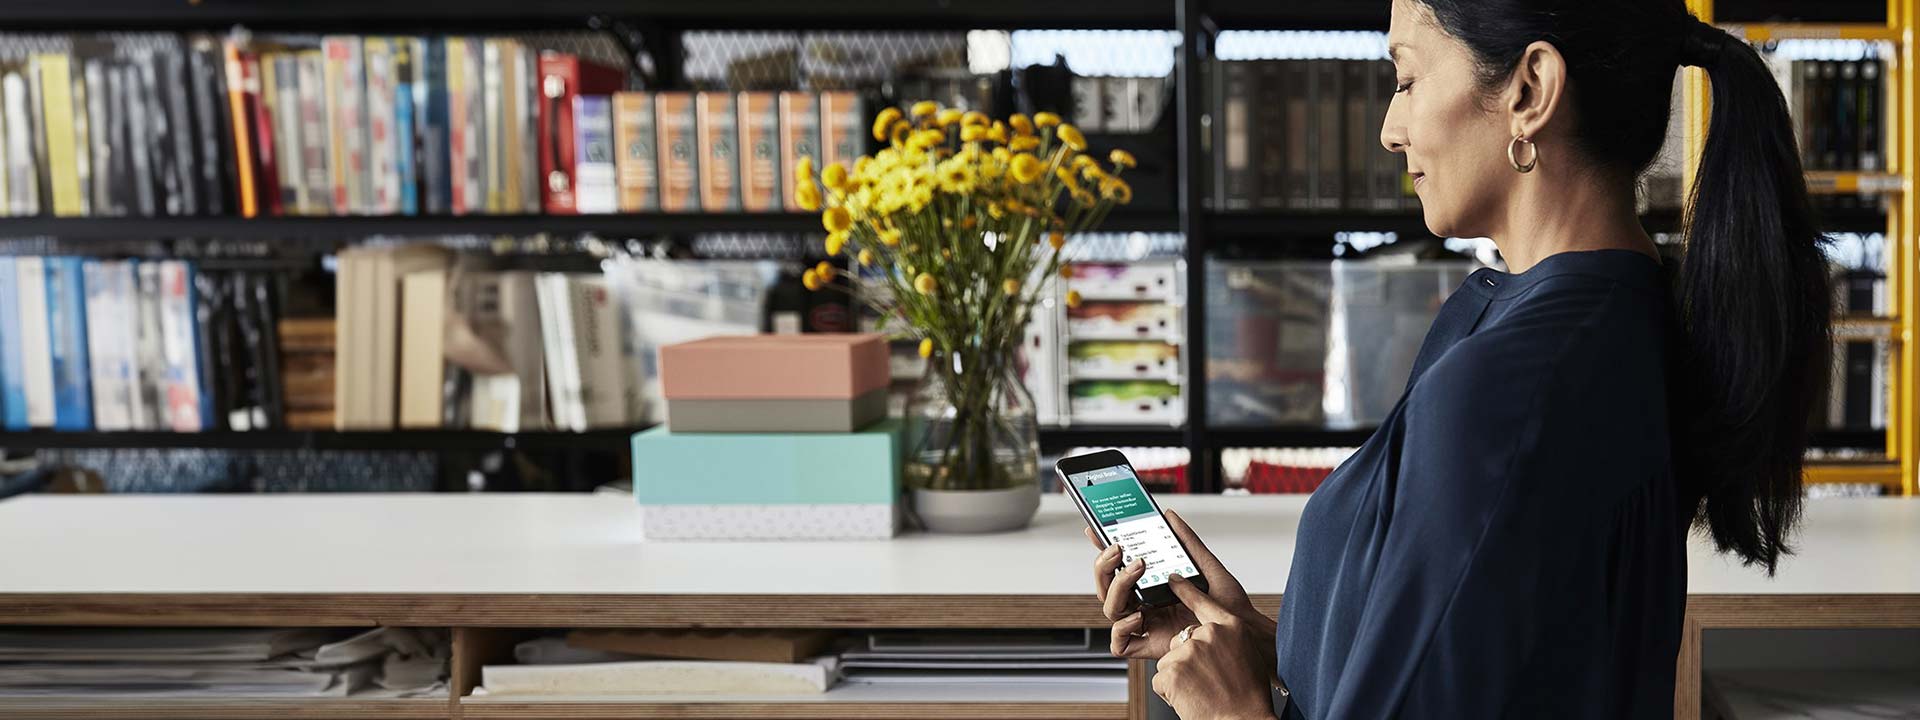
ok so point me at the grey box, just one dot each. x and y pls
(751, 416)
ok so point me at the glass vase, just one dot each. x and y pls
(970, 425)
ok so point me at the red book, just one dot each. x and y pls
(265, 168)
(562, 77)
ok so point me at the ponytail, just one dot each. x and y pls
(1754, 311)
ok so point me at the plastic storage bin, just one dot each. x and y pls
(1305, 343)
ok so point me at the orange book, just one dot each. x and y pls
(242, 116)
(679, 163)
(635, 155)
(718, 130)
(840, 128)
(759, 151)
(799, 137)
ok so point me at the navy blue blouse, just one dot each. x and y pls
(1509, 543)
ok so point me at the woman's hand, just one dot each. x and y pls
(1147, 635)
(1223, 669)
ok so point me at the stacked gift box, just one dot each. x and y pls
(771, 437)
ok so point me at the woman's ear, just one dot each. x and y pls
(1534, 92)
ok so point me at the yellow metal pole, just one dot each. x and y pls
(1903, 267)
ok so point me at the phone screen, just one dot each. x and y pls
(1116, 500)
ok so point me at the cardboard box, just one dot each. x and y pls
(775, 367)
(768, 486)
(837, 415)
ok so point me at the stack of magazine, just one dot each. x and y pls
(985, 658)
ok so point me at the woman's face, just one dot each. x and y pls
(1455, 146)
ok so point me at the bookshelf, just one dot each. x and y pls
(652, 27)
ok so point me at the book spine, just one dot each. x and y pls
(633, 137)
(1297, 76)
(36, 343)
(212, 136)
(181, 347)
(759, 150)
(152, 347)
(474, 116)
(601, 383)
(1825, 108)
(405, 175)
(1328, 141)
(717, 126)
(1239, 180)
(100, 184)
(125, 295)
(140, 132)
(240, 109)
(512, 194)
(1386, 169)
(799, 138)
(1859, 385)
(82, 135)
(119, 173)
(528, 149)
(1870, 116)
(288, 143)
(596, 191)
(1089, 106)
(559, 83)
(1357, 140)
(1845, 122)
(22, 187)
(316, 176)
(67, 337)
(1265, 126)
(56, 88)
(13, 382)
(36, 108)
(436, 165)
(353, 94)
(679, 164)
(109, 398)
(180, 128)
(842, 125)
(458, 129)
(493, 171)
(383, 182)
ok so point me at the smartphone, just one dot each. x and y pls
(1109, 494)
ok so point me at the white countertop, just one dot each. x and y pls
(531, 543)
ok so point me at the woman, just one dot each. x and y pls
(1511, 543)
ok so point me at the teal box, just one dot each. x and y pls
(861, 467)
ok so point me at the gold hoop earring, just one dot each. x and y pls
(1533, 153)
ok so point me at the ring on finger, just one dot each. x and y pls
(1186, 634)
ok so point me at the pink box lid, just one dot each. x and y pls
(775, 367)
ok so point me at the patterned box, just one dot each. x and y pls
(768, 486)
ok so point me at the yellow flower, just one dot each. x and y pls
(835, 176)
(925, 284)
(890, 237)
(1071, 136)
(1057, 239)
(1082, 162)
(810, 279)
(926, 347)
(1073, 298)
(803, 170)
(866, 256)
(900, 132)
(969, 222)
(998, 133)
(925, 108)
(947, 117)
(1026, 168)
(925, 139)
(994, 211)
(836, 219)
(835, 243)
(974, 117)
(1066, 271)
(1044, 120)
(1023, 143)
(972, 133)
(1021, 125)
(884, 122)
(1082, 197)
(807, 196)
(1002, 154)
(1120, 158)
(860, 166)
(824, 270)
(1117, 190)
(1066, 178)
(955, 178)
(1011, 287)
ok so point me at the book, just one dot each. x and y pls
(679, 156)
(23, 196)
(315, 176)
(466, 124)
(435, 163)
(493, 167)
(67, 340)
(717, 128)
(36, 342)
(186, 407)
(405, 166)
(759, 151)
(1295, 81)
(140, 123)
(13, 381)
(564, 408)
(596, 190)
(1359, 136)
(423, 321)
(151, 356)
(380, 123)
(172, 69)
(635, 154)
(842, 125)
(1326, 133)
(109, 347)
(799, 138)
(102, 141)
(214, 167)
(57, 125)
(1235, 172)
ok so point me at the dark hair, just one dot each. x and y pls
(1754, 310)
